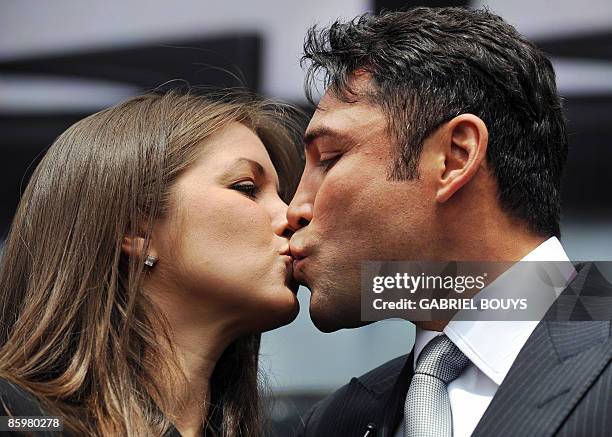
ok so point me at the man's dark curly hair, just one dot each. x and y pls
(429, 65)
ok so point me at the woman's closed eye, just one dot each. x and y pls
(249, 189)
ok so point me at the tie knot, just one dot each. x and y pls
(441, 359)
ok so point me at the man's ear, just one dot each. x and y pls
(464, 150)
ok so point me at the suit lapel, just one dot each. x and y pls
(394, 406)
(555, 368)
(366, 400)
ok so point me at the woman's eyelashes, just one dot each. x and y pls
(249, 189)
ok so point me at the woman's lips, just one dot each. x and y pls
(288, 260)
(290, 281)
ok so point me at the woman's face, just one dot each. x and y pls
(223, 247)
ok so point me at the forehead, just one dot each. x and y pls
(235, 141)
(359, 115)
(234, 150)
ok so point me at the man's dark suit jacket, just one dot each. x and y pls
(559, 385)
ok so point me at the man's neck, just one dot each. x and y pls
(505, 249)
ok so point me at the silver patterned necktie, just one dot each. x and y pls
(427, 411)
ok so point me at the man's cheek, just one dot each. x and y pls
(337, 199)
(342, 208)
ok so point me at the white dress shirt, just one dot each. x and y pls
(491, 346)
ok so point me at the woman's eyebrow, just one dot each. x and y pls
(255, 167)
(240, 163)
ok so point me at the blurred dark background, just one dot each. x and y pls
(63, 60)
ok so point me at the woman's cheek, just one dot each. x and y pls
(248, 225)
(231, 232)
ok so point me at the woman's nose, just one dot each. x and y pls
(280, 224)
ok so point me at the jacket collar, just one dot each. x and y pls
(546, 380)
(559, 362)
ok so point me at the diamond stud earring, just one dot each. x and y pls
(150, 261)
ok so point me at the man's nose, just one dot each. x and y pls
(299, 215)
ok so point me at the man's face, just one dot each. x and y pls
(346, 210)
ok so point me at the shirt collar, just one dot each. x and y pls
(492, 346)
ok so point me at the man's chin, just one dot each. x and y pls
(324, 324)
(327, 318)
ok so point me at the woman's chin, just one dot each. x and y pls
(282, 311)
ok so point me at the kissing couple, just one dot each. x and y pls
(157, 239)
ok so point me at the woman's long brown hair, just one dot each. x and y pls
(76, 329)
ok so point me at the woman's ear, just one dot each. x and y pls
(133, 246)
(464, 152)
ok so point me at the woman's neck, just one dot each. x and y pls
(199, 338)
(197, 368)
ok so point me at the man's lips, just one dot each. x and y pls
(300, 255)
(297, 248)
(298, 266)
(289, 278)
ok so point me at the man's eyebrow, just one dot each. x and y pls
(314, 134)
